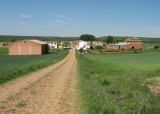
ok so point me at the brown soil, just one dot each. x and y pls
(155, 86)
(51, 90)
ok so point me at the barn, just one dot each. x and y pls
(28, 47)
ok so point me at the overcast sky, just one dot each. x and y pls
(76, 17)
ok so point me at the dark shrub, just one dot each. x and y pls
(156, 47)
(91, 47)
(99, 47)
(123, 49)
(81, 50)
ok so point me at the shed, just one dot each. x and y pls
(28, 47)
(121, 45)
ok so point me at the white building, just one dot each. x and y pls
(82, 44)
(52, 44)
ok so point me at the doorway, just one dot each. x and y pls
(132, 47)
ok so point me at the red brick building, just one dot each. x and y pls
(28, 47)
(132, 43)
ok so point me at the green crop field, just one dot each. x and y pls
(3, 51)
(15, 66)
(150, 45)
(116, 83)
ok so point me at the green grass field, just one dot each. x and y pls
(112, 83)
(12, 67)
(3, 51)
(150, 45)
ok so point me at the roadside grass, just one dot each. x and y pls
(21, 104)
(112, 83)
(10, 98)
(10, 111)
(33, 91)
(12, 67)
(2, 107)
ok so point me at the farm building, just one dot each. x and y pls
(28, 47)
(121, 45)
(132, 43)
(95, 43)
(52, 44)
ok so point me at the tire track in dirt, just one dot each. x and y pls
(54, 92)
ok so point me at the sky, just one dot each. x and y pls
(139, 18)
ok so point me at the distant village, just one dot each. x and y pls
(37, 47)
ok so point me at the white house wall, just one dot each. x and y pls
(53, 45)
(82, 45)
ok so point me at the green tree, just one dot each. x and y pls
(109, 39)
(66, 44)
(47, 48)
(81, 50)
(87, 37)
(14, 40)
(156, 47)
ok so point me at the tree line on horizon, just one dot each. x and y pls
(86, 37)
(89, 37)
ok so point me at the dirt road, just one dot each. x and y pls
(51, 90)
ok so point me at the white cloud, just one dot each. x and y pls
(59, 16)
(59, 19)
(25, 16)
(70, 19)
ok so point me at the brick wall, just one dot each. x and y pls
(25, 47)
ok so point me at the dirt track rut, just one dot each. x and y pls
(51, 90)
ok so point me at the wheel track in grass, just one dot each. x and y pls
(51, 90)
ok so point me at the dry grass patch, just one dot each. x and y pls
(154, 84)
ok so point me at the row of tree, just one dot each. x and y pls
(85, 37)
(89, 37)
